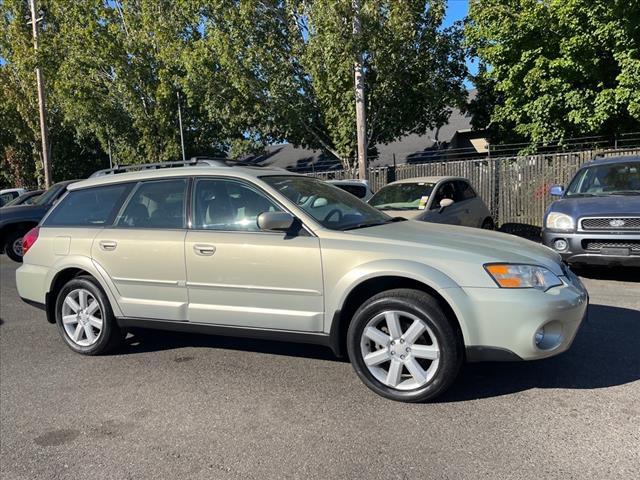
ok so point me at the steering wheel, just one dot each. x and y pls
(332, 213)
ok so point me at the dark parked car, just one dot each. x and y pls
(27, 198)
(597, 219)
(18, 220)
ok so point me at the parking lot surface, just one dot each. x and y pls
(172, 405)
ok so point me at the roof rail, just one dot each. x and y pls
(195, 161)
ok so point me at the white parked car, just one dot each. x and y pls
(10, 194)
(450, 200)
(359, 188)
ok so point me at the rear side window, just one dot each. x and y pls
(158, 204)
(88, 207)
(359, 191)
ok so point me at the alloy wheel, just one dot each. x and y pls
(82, 317)
(400, 350)
(17, 246)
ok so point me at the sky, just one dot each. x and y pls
(457, 10)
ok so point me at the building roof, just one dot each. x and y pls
(412, 148)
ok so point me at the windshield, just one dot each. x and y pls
(330, 206)
(611, 179)
(403, 196)
(48, 196)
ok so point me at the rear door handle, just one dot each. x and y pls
(204, 249)
(108, 245)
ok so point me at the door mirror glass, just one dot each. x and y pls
(556, 190)
(278, 221)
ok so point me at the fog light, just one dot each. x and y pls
(548, 336)
(560, 244)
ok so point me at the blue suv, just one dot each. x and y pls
(597, 219)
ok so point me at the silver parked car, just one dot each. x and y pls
(449, 200)
(253, 252)
(359, 188)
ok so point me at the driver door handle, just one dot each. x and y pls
(108, 245)
(204, 249)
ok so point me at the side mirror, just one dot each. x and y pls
(444, 203)
(278, 221)
(320, 202)
(556, 190)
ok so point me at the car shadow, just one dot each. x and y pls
(143, 340)
(621, 274)
(605, 353)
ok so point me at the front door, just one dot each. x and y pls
(453, 214)
(143, 253)
(238, 275)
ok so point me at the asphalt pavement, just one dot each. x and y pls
(170, 406)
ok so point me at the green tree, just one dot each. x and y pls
(283, 70)
(558, 68)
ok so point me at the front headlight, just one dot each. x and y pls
(522, 276)
(560, 221)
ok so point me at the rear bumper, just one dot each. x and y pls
(576, 253)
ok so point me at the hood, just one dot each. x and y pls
(20, 213)
(455, 249)
(610, 205)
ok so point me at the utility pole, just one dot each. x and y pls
(361, 119)
(180, 123)
(44, 132)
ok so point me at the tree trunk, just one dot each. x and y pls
(361, 119)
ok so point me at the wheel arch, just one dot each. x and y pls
(375, 280)
(63, 273)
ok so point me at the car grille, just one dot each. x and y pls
(597, 245)
(611, 223)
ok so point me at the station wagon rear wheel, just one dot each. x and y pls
(403, 346)
(84, 317)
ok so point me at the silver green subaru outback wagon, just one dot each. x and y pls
(219, 248)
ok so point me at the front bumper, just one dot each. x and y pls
(501, 324)
(577, 253)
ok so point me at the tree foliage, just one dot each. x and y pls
(248, 72)
(558, 68)
(283, 70)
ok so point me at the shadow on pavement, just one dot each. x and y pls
(621, 274)
(141, 341)
(605, 353)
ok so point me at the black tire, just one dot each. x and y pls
(488, 224)
(110, 336)
(425, 307)
(9, 246)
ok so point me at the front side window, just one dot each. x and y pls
(228, 205)
(464, 191)
(403, 196)
(6, 198)
(157, 204)
(330, 206)
(611, 179)
(88, 207)
(446, 190)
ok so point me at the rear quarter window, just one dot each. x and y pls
(89, 207)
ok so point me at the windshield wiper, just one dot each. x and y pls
(625, 192)
(374, 224)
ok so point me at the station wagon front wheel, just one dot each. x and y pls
(403, 347)
(85, 319)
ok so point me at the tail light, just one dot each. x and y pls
(29, 239)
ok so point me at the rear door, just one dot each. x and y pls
(143, 252)
(238, 275)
